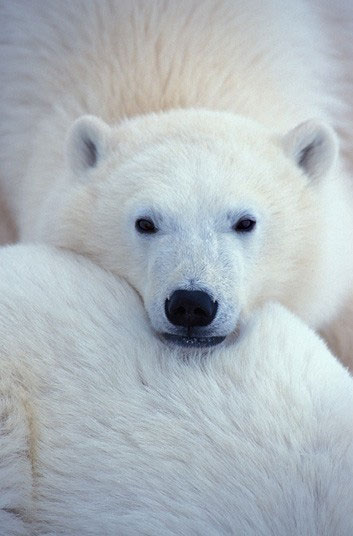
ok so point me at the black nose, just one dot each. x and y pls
(190, 308)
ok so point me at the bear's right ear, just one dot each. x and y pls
(86, 143)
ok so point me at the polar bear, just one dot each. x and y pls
(174, 144)
(104, 429)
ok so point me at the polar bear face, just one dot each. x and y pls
(206, 214)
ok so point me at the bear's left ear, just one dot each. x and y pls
(313, 146)
(86, 143)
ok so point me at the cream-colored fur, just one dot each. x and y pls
(229, 82)
(106, 430)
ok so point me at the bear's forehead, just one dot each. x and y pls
(191, 131)
(204, 168)
(183, 157)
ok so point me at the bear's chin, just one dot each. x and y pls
(192, 342)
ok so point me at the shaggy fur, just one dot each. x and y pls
(105, 430)
(230, 81)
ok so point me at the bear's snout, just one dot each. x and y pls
(190, 308)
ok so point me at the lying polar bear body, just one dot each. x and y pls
(106, 430)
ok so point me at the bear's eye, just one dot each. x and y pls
(245, 225)
(145, 226)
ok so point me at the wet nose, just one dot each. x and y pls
(190, 308)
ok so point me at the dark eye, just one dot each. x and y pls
(145, 226)
(245, 225)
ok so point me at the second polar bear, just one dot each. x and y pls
(106, 430)
(198, 174)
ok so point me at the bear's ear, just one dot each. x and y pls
(86, 143)
(313, 146)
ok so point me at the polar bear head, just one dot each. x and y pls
(206, 214)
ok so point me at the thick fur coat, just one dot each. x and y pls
(105, 430)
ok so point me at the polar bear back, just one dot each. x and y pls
(129, 437)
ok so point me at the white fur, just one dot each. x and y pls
(230, 81)
(105, 430)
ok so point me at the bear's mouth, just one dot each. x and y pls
(193, 342)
